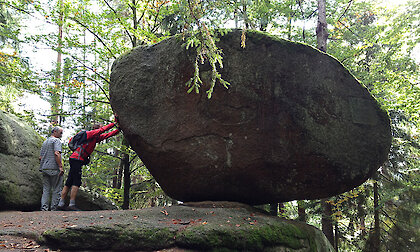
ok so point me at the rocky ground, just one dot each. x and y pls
(200, 226)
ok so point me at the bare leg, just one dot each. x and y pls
(64, 192)
(73, 193)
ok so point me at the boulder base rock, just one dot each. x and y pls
(226, 226)
(294, 124)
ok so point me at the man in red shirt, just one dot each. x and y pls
(79, 156)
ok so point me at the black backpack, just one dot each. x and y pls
(78, 140)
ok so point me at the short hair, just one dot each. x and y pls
(97, 125)
(56, 128)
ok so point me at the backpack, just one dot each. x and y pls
(78, 140)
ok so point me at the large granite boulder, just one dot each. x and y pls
(294, 124)
(20, 179)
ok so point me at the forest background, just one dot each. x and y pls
(378, 41)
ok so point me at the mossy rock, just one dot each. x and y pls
(223, 227)
(20, 179)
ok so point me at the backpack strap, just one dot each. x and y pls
(82, 150)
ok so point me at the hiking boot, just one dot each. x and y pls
(73, 208)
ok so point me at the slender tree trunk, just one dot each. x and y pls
(336, 236)
(245, 13)
(289, 28)
(116, 171)
(120, 173)
(301, 211)
(274, 209)
(326, 221)
(377, 229)
(361, 213)
(321, 29)
(127, 181)
(55, 99)
(135, 22)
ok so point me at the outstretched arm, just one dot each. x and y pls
(108, 135)
(93, 133)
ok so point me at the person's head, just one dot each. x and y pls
(97, 126)
(57, 132)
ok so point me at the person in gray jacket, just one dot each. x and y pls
(52, 170)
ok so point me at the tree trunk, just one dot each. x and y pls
(55, 99)
(135, 23)
(321, 29)
(326, 221)
(274, 209)
(361, 213)
(245, 13)
(377, 229)
(301, 211)
(336, 236)
(127, 181)
(115, 179)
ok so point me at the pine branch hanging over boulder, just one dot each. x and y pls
(294, 123)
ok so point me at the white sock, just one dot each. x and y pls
(72, 203)
(61, 203)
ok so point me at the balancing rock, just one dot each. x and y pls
(294, 123)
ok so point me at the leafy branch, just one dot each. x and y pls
(204, 41)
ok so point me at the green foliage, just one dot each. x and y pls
(15, 74)
(374, 43)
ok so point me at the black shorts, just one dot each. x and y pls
(75, 173)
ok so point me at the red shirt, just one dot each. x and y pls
(93, 137)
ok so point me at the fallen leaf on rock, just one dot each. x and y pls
(135, 217)
(204, 223)
(110, 218)
(164, 212)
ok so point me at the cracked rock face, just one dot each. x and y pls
(294, 124)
